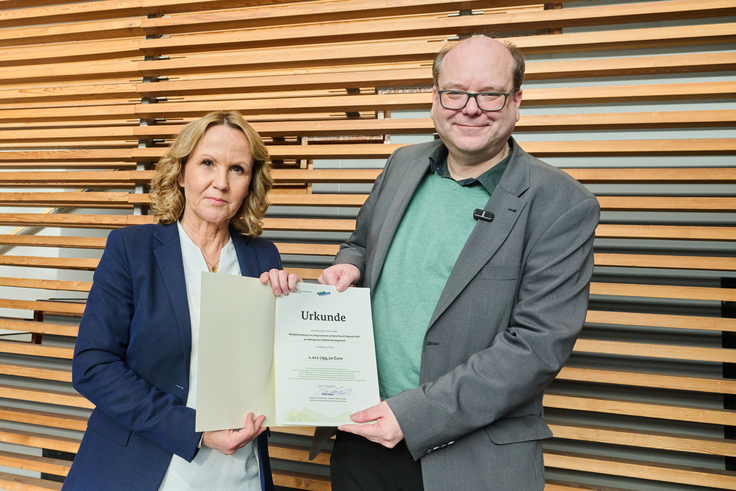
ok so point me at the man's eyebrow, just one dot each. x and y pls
(489, 88)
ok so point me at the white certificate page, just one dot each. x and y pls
(306, 359)
(325, 361)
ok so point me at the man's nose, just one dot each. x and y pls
(472, 106)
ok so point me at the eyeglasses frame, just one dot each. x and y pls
(474, 95)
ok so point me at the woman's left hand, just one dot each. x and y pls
(230, 441)
(281, 281)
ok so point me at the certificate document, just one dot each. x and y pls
(307, 358)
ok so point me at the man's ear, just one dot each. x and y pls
(517, 102)
(435, 101)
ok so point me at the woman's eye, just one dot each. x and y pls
(237, 169)
(207, 163)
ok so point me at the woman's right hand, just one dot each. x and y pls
(230, 441)
(282, 282)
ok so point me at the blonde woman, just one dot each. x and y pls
(136, 354)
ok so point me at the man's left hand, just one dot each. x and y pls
(385, 430)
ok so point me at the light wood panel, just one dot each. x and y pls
(81, 108)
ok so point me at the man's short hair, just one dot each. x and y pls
(517, 68)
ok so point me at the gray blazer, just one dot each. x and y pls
(504, 325)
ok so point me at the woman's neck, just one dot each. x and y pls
(209, 237)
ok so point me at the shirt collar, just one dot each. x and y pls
(489, 179)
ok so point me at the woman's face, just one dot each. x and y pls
(216, 176)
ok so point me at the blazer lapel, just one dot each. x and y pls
(405, 191)
(169, 260)
(485, 239)
(247, 258)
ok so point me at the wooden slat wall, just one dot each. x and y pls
(637, 100)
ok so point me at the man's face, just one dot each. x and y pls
(473, 136)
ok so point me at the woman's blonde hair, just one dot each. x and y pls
(167, 197)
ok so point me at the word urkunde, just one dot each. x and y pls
(314, 316)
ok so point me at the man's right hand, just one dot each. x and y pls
(340, 276)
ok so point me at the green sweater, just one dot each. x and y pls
(429, 240)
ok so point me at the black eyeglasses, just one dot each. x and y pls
(486, 101)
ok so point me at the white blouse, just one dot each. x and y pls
(210, 470)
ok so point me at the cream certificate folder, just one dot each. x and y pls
(305, 359)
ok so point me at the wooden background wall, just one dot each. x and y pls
(637, 100)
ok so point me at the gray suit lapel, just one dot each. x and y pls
(404, 193)
(507, 206)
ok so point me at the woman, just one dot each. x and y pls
(136, 353)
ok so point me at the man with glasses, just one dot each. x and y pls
(479, 259)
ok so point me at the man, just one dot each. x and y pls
(479, 259)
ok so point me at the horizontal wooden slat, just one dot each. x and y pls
(34, 463)
(58, 307)
(646, 439)
(53, 241)
(294, 430)
(32, 349)
(43, 418)
(39, 440)
(667, 203)
(672, 232)
(15, 482)
(685, 353)
(60, 93)
(89, 112)
(627, 93)
(641, 409)
(562, 486)
(300, 480)
(651, 380)
(678, 474)
(663, 291)
(701, 175)
(44, 396)
(39, 327)
(666, 262)
(657, 37)
(35, 372)
(309, 224)
(73, 31)
(295, 453)
(71, 220)
(98, 50)
(72, 286)
(50, 262)
(308, 249)
(41, 11)
(661, 320)
(109, 71)
(619, 67)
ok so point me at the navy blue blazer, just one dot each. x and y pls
(132, 360)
